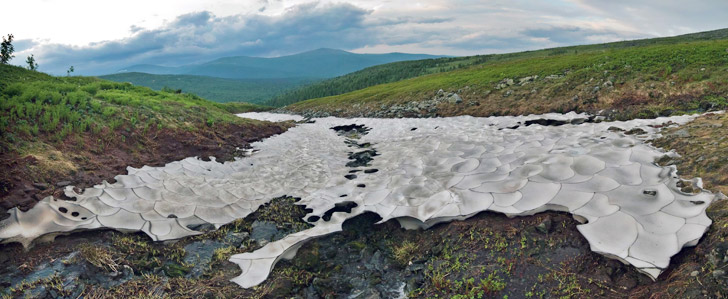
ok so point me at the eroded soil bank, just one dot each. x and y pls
(44, 169)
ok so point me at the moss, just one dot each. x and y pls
(403, 252)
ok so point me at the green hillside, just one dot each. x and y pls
(640, 78)
(84, 130)
(35, 103)
(385, 73)
(214, 89)
(320, 63)
(397, 71)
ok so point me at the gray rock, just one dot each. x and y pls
(526, 80)
(551, 77)
(199, 255)
(718, 273)
(236, 238)
(63, 183)
(682, 133)
(455, 98)
(263, 231)
(545, 226)
(41, 186)
(694, 273)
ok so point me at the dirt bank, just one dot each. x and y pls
(46, 167)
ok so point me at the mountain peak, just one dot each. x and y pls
(325, 51)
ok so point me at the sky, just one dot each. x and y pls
(101, 37)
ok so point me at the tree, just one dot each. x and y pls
(7, 49)
(69, 71)
(32, 65)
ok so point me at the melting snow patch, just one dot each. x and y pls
(449, 168)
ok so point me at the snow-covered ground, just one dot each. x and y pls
(422, 172)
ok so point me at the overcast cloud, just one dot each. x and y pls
(103, 39)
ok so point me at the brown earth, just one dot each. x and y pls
(488, 255)
(46, 168)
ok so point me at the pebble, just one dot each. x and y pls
(63, 183)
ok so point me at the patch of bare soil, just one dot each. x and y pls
(89, 160)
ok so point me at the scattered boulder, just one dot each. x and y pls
(552, 77)
(40, 186)
(63, 183)
(526, 80)
(682, 133)
(263, 231)
(199, 255)
(455, 98)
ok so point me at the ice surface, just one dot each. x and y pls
(445, 169)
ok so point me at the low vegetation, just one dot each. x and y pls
(639, 81)
(82, 129)
(215, 89)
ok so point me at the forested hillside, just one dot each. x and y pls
(214, 89)
(654, 78)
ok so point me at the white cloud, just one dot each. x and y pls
(102, 36)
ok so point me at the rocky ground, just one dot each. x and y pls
(488, 255)
(604, 95)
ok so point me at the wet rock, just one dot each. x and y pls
(40, 186)
(635, 131)
(205, 227)
(281, 288)
(263, 231)
(361, 159)
(236, 239)
(199, 255)
(545, 226)
(327, 285)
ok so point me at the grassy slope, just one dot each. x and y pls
(384, 73)
(646, 80)
(36, 103)
(393, 72)
(85, 129)
(214, 89)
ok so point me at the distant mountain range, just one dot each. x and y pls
(256, 91)
(320, 63)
